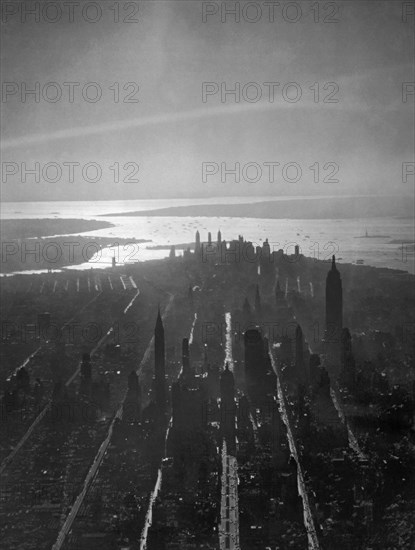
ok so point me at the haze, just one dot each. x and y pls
(171, 132)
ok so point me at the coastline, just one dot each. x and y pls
(291, 208)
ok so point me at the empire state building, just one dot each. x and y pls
(334, 313)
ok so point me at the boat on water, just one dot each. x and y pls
(367, 236)
(360, 262)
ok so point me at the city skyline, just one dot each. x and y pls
(207, 275)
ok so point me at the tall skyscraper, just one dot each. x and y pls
(189, 397)
(266, 262)
(334, 318)
(159, 365)
(197, 243)
(334, 304)
(255, 363)
(266, 250)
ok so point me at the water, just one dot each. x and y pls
(316, 238)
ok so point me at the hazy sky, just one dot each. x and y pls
(170, 132)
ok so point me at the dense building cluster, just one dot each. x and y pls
(262, 414)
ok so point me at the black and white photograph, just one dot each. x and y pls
(207, 275)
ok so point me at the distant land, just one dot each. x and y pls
(27, 228)
(310, 208)
(51, 239)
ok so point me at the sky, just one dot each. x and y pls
(154, 135)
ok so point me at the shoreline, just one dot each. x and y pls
(318, 208)
(27, 228)
(72, 270)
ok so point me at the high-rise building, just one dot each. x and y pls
(266, 263)
(334, 303)
(213, 381)
(279, 294)
(159, 365)
(197, 243)
(266, 250)
(255, 363)
(334, 317)
(189, 398)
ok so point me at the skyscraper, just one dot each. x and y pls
(189, 397)
(255, 363)
(279, 294)
(197, 243)
(334, 317)
(159, 365)
(334, 304)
